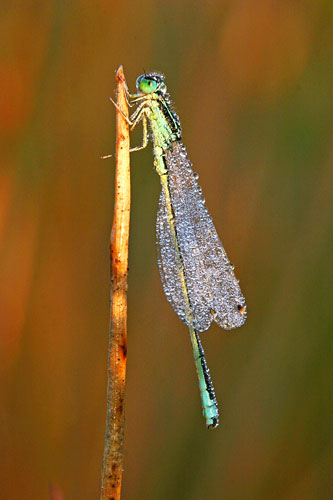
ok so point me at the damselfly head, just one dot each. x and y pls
(151, 82)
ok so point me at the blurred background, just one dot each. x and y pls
(252, 83)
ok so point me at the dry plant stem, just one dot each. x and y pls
(55, 492)
(114, 436)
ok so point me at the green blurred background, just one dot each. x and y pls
(252, 82)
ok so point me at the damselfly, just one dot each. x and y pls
(197, 277)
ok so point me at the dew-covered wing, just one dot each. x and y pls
(212, 287)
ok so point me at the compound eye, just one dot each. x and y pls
(147, 85)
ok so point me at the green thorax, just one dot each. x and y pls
(164, 123)
(165, 128)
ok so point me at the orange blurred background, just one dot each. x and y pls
(252, 83)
